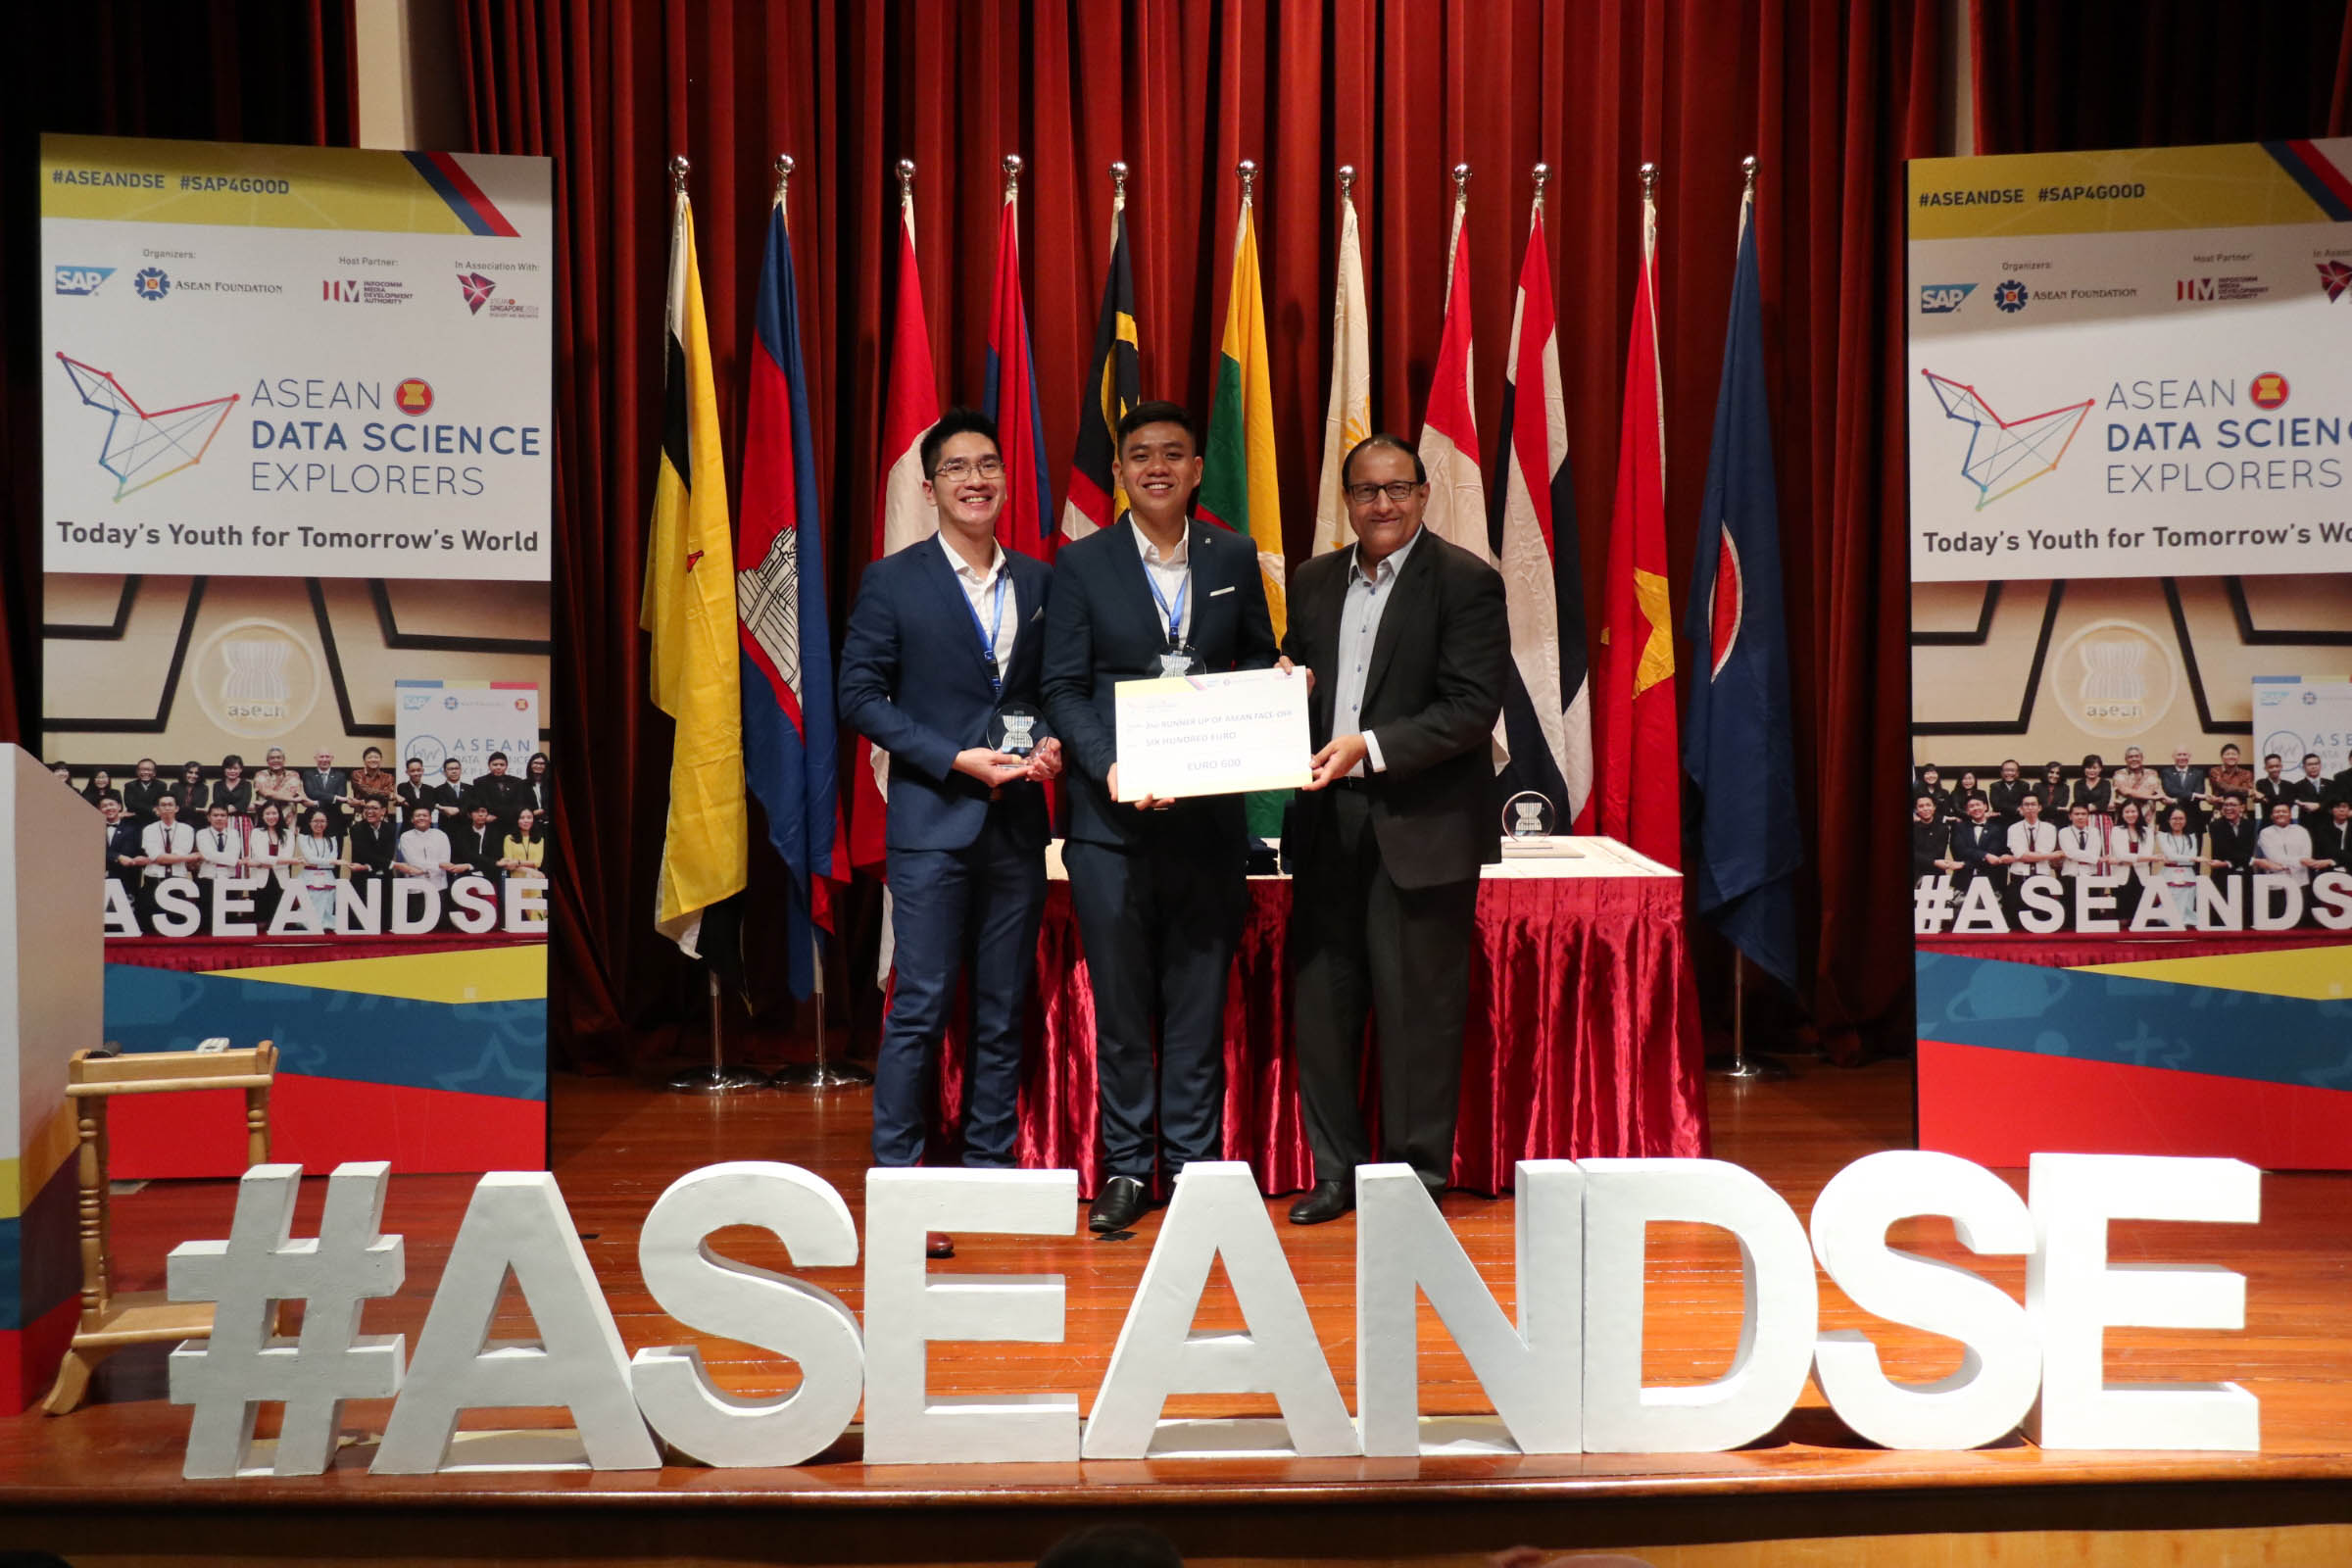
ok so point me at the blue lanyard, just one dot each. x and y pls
(1175, 615)
(988, 634)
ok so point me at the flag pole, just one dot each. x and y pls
(1742, 1067)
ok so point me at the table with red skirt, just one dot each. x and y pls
(1581, 1039)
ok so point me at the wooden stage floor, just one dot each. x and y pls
(103, 1486)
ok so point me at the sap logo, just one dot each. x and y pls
(2009, 296)
(411, 702)
(2192, 288)
(81, 280)
(1942, 299)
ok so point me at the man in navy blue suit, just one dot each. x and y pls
(946, 636)
(1158, 887)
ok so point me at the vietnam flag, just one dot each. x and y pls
(1638, 794)
(1238, 487)
(790, 749)
(688, 605)
(1008, 396)
(901, 516)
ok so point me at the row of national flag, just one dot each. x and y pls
(1603, 746)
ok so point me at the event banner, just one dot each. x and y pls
(296, 431)
(2131, 543)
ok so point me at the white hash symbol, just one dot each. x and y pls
(228, 1377)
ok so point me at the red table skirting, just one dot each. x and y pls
(1583, 1038)
(201, 954)
(2063, 952)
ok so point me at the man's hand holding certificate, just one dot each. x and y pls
(1188, 735)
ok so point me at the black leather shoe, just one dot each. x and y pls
(938, 1244)
(1328, 1200)
(1119, 1205)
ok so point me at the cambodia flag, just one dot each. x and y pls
(789, 748)
(1736, 746)
(1008, 396)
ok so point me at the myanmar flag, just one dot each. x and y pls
(1238, 485)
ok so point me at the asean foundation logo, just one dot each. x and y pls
(2009, 296)
(412, 396)
(2267, 390)
(152, 283)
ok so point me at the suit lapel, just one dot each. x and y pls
(1026, 627)
(948, 589)
(1128, 568)
(1391, 614)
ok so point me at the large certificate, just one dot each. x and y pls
(1187, 735)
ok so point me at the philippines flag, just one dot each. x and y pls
(1008, 396)
(788, 736)
(902, 517)
(1736, 746)
(1546, 713)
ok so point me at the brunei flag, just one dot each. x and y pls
(1547, 712)
(1639, 789)
(1238, 487)
(1010, 397)
(689, 607)
(1095, 499)
(789, 747)
(901, 516)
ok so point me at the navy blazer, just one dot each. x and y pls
(1971, 842)
(911, 682)
(1103, 626)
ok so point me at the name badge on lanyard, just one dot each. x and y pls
(1177, 658)
(988, 633)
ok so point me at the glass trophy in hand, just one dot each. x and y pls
(1012, 729)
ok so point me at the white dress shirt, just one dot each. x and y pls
(1168, 574)
(2083, 848)
(158, 838)
(429, 849)
(1359, 633)
(2286, 847)
(222, 849)
(2032, 838)
(980, 592)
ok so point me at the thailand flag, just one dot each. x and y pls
(788, 736)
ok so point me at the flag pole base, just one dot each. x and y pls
(815, 1075)
(719, 1079)
(1746, 1070)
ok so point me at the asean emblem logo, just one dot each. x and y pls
(2009, 296)
(413, 396)
(256, 679)
(152, 283)
(2267, 390)
(2114, 679)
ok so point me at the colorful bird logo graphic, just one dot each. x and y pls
(2004, 454)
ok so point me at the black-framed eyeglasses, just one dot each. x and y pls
(1398, 490)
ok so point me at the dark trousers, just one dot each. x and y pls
(1359, 941)
(1159, 922)
(951, 911)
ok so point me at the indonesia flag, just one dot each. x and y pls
(787, 652)
(1457, 489)
(901, 516)
(1546, 713)
(1009, 394)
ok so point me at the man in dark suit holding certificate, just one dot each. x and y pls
(944, 646)
(1407, 642)
(1158, 887)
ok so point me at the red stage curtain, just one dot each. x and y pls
(2157, 74)
(1831, 95)
(202, 70)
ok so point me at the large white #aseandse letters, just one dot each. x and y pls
(1567, 1378)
